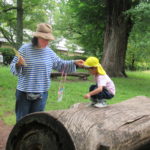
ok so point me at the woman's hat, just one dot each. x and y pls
(94, 62)
(44, 31)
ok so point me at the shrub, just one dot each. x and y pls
(137, 66)
(8, 55)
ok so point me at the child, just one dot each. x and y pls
(104, 88)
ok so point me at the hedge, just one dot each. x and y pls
(8, 55)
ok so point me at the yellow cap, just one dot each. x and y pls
(94, 62)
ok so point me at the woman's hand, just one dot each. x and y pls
(21, 61)
(79, 62)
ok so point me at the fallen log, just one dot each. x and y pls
(122, 126)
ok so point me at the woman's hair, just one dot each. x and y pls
(34, 41)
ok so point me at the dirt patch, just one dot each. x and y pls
(4, 133)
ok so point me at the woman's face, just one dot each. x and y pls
(42, 43)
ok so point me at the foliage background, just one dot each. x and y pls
(83, 23)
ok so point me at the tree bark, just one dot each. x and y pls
(117, 31)
(19, 27)
(122, 126)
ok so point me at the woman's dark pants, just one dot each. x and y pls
(25, 106)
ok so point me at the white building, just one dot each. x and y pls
(63, 46)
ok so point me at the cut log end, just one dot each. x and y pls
(39, 132)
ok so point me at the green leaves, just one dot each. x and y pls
(83, 23)
(34, 12)
(139, 43)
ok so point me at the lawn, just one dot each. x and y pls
(136, 84)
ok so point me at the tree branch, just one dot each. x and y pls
(7, 36)
(8, 9)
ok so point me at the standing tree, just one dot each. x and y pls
(12, 25)
(88, 19)
(21, 16)
(117, 32)
(19, 29)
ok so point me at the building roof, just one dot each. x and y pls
(61, 46)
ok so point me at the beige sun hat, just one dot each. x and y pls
(44, 31)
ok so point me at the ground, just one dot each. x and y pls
(4, 133)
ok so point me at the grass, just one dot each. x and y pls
(136, 84)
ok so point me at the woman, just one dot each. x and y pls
(33, 69)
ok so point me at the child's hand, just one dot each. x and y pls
(87, 96)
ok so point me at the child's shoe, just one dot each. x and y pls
(104, 103)
(91, 104)
(93, 101)
(99, 105)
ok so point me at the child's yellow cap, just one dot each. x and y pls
(94, 62)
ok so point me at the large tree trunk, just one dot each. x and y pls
(116, 37)
(122, 126)
(19, 27)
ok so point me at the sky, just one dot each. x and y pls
(9, 1)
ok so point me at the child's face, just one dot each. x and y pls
(93, 70)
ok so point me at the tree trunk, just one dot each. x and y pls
(133, 62)
(122, 126)
(19, 27)
(116, 37)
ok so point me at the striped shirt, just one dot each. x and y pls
(35, 76)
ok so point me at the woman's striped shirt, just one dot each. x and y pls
(35, 76)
